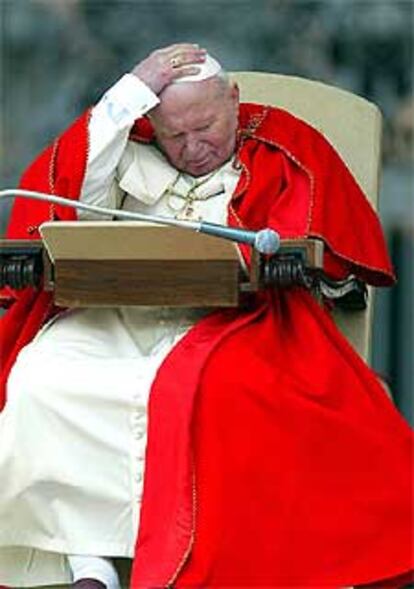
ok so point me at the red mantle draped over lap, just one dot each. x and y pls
(285, 464)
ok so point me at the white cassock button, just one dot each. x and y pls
(139, 433)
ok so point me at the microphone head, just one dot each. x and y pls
(267, 241)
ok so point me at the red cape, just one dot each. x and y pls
(274, 457)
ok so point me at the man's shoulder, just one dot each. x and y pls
(273, 124)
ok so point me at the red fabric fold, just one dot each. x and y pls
(166, 523)
(321, 197)
(295, 469)
(18, 326)
(59, 169)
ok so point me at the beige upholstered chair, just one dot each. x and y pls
(353, 126)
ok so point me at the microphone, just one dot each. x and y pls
(265, 241)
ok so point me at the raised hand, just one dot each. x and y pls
(165, 65)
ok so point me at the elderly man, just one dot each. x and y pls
(262, 468)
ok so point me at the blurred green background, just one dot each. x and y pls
(58, 56)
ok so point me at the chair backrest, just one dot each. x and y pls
(353, 126)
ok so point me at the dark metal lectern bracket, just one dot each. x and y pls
(22, 264)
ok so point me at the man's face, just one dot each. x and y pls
(195, 125)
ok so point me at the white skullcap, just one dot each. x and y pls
(208, 69)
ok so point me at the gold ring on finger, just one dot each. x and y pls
(175, 62)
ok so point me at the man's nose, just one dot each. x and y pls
(192, 143)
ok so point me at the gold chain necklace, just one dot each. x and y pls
(186, 207)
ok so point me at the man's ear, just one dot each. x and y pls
(235, 92)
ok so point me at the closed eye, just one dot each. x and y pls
(204, 127)
(175, 136)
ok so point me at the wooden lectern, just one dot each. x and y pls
(120, 263)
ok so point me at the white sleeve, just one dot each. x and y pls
(111, 121)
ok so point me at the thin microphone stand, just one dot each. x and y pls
(266, 241)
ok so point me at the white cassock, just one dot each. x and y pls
(73, 433)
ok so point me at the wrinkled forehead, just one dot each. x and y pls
(185, 93)
(190, 100)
